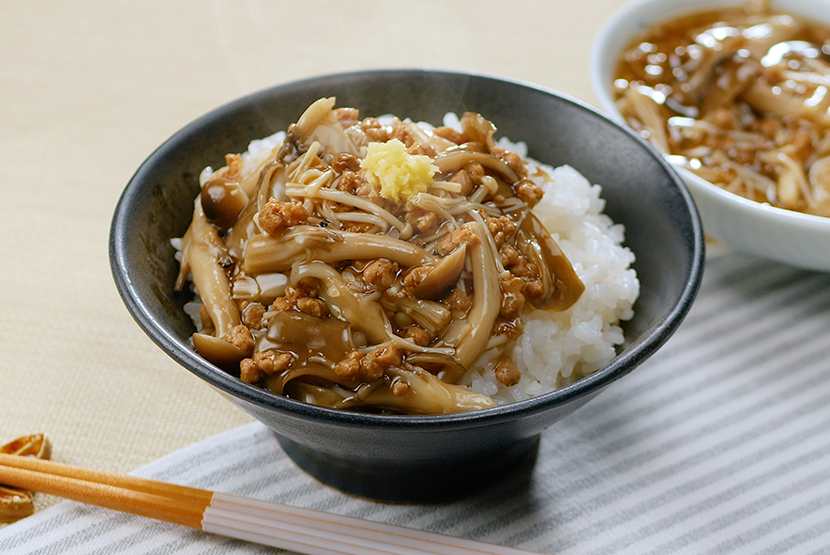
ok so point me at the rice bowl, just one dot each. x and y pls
(442, 456)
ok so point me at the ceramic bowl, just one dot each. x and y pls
(414, 458)
(786, 236)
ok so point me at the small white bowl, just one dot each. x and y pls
(786, 236)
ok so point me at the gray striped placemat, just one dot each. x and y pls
(720, 443)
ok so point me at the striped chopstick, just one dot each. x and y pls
(273, 524)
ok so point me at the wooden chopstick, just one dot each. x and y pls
(149, 498)
(103, 477)
(274, 524)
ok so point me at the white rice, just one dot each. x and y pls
(555, 349)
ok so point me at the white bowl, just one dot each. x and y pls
(790, 237)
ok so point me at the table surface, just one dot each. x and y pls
(88, 90)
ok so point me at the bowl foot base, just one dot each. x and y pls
(423, 482)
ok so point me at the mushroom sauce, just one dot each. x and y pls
(739, 97)
(336, 277)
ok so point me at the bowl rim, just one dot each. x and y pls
(635, 16)
(648, 343)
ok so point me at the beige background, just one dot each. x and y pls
(89, 89)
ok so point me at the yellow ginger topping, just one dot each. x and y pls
(399, 175)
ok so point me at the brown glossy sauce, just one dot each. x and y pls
(307, 337)
(395, 276)
(739, 97)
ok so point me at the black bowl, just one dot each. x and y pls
(414, 458)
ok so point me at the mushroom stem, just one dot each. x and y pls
(472, 338)
(562, 286)
(454, 159)
(203, 252)
(303, 242)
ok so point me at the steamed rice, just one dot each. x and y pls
(558, 348)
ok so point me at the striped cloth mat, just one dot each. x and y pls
(719, 443)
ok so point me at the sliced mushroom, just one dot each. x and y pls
(470, 335)
(316, 344)
(444, 275)
(755, 41)
(644, 109)
(218, 351)
(424, 394)
(430, 315)
(762, 97)
(300, 243)
(728, 80)
(454, 159)
(445, 367)
(478, 129)
(271, 184)
(205, 257)
(362, 311)
(318, 123)
(562, 285)
(819, 177)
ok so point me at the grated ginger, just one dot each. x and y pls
(399, 175)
